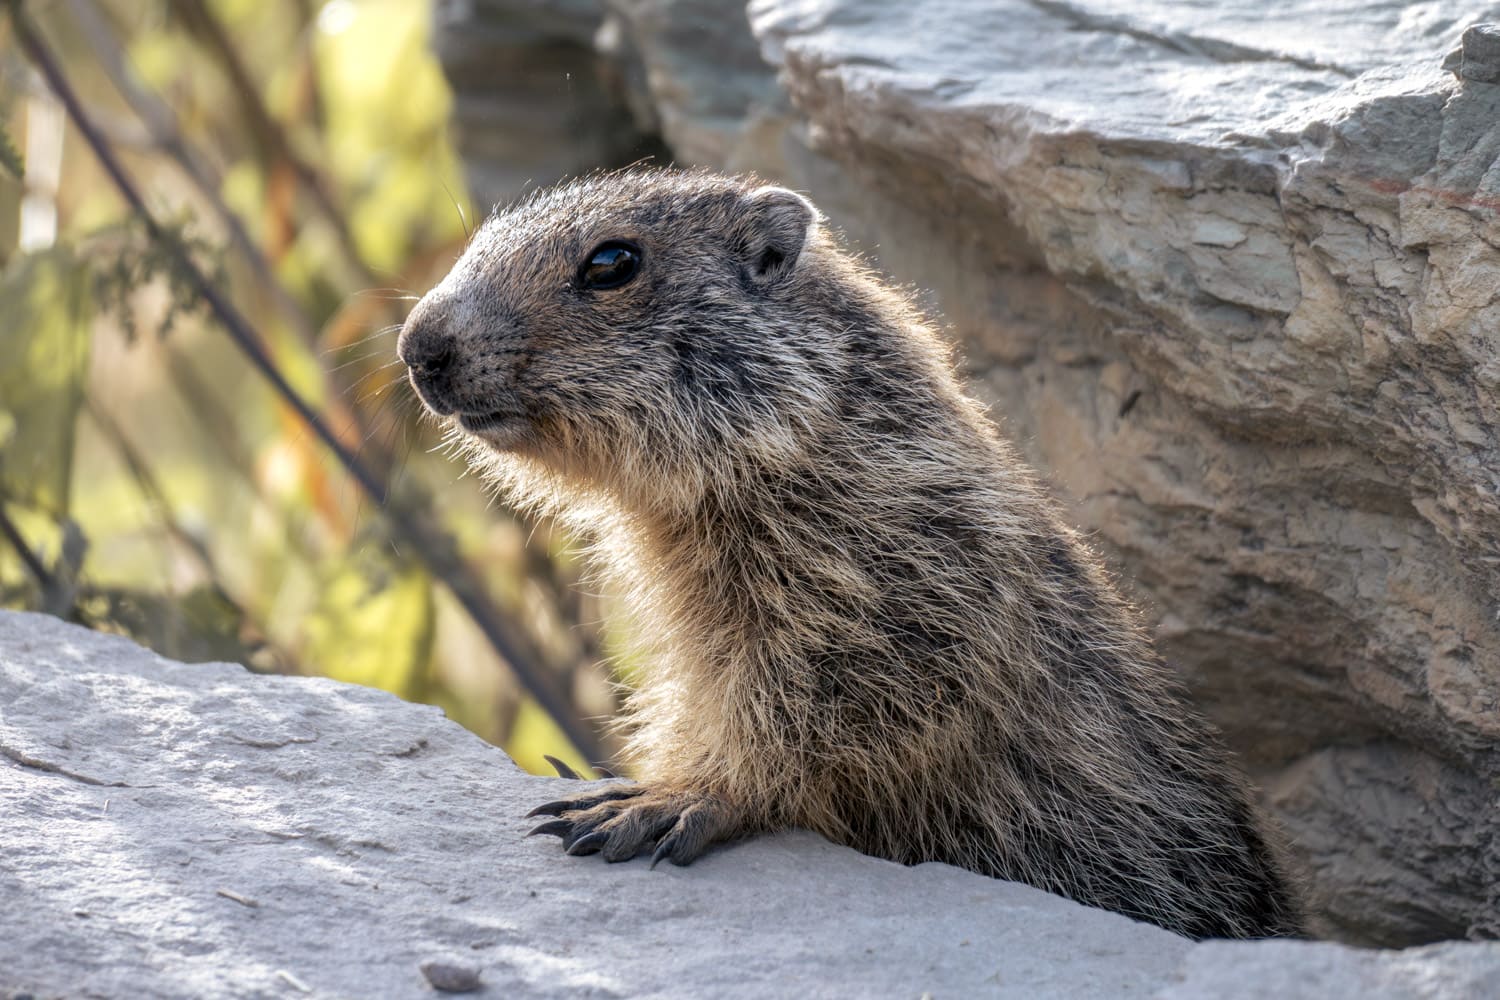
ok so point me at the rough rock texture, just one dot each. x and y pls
(1230, 274)
(533, 102)
(176, 830)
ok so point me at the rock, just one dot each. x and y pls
(1479, 54)
(1277, 401)
(1227, 971)
(725, 117)
(531, 104)
(176, 830)
(1227, 273)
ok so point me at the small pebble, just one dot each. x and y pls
(450, 977)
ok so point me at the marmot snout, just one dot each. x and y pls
(865, 616)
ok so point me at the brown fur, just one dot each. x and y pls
(867, 618)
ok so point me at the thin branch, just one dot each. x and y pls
(214, 422)
(59, 590)
(18, 542)
(307, 20)
(435, 549)
(268, 133)
(209, 414)
(156, 498)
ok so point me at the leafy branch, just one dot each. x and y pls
(139, 258)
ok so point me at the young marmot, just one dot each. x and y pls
(867, 618)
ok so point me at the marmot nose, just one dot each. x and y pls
(426, 352)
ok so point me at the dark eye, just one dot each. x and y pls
(610, 265)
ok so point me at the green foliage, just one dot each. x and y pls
(197, 626)
(385, 130)
(60, 547)
(45, 341)
(534, 735)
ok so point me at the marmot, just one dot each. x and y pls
(868, 618)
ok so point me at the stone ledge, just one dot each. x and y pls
(180, 830)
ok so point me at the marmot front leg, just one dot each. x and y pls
(623, 820)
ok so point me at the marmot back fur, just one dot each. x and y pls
(867, 618)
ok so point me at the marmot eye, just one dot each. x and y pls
(610, 265)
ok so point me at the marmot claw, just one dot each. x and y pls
(623, 822)
(586, 801)
(563, 770)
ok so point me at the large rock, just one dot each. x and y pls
(1280, 412)
(1230, 274)
(176, 830)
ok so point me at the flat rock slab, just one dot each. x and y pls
(1175, 71)
(179, 830)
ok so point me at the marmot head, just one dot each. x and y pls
(630, 317)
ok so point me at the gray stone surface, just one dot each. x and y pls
(699, 81)
(1229, 272)
(1479, 54)
(1269, 970)
(175, 830)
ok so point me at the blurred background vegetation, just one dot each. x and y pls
(152, 481)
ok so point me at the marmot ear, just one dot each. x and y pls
(778, 223)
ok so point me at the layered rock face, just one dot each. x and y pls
(176, 830)
(1229, 273)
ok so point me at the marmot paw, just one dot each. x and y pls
(622, 821)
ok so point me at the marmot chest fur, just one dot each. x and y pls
(867, 618)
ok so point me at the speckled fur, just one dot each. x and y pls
(866, 617)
